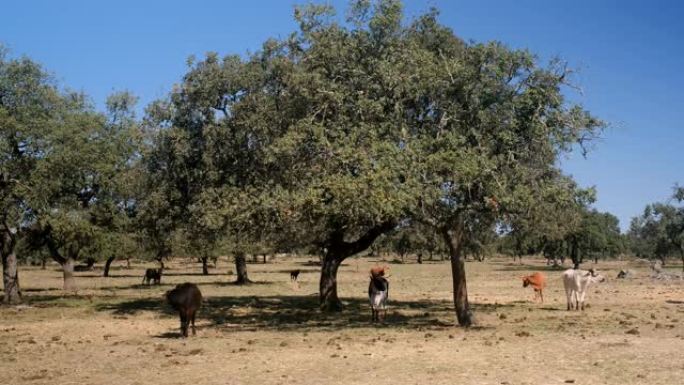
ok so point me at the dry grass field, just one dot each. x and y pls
(116, 331)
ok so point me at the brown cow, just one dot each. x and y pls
(538, 282)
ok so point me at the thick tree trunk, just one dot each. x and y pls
(68, 272)
(264, 258)
(10, 272)
(205, 266)
(337, 250)
(420, 258)
(108, 264)
(328, 285)
(454, 241)
(241, 268)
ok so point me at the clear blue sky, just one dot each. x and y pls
(630, 55)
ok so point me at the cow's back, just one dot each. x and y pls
(185, 296)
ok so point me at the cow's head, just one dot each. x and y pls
(380, 271)
(526, 281)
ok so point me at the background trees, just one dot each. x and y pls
(659, 231)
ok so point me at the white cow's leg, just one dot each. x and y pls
(584, 292)
(568, 294)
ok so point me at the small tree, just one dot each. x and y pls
(659, 231)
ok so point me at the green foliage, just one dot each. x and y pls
(659, 231)
(599, 235)
(63, 166)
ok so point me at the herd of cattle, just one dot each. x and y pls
(186, 298)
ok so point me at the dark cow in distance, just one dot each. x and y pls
(294, 274)
(153, 275)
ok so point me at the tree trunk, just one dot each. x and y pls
(264, 258)
(241, 268)
(574, 253)
(10, 272)
(328, 285)
(420, 258)
(68, 271)
(337, 250)
(454, 241)
(43, 263)
(108, 264)
(205, 266)
(128, 262)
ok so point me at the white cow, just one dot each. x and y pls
(576, 283)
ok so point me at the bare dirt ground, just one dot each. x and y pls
(116, 331)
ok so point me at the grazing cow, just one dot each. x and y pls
(186, 298)
(538, 282)
(378, 292)
(294, 274)
(576, 283)
(153, 275)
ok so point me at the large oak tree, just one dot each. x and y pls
(341, 131)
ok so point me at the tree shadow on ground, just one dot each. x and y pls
(40, 289)
(309, 263)
(234, 283)
(135, 306)
(287, 271)
(531, 268)
(282, 313)
(110, 276)
(193, 274)
(169, 286)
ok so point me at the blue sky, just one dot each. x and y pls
(630, 56)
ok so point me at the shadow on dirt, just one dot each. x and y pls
(531, 268)
(250, 313)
